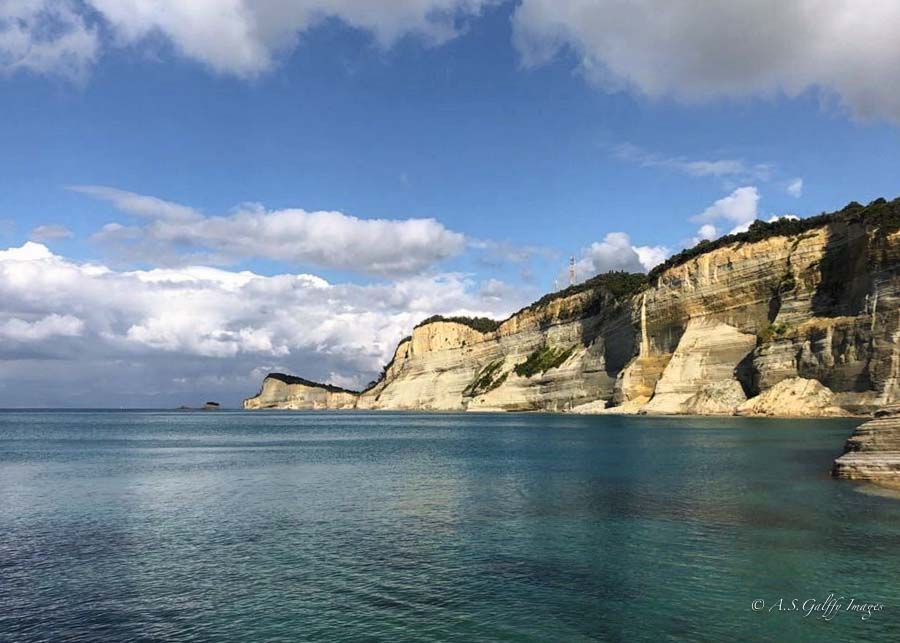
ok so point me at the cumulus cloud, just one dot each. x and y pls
(240, 37)
(651, 256)
(46, 36)
(156, 336)
(706, 232)
(54, 325)
(616, 252)
(740, 209)
(795, 188)
(329, 239)
(694, 50)
(50, 232)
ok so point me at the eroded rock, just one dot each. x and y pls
(794, 397)
(872, 453)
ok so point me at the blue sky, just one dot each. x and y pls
(528, 131)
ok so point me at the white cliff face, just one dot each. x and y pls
(441, 366)
(717, 398)
(819, 310)
(283, 392)
(707, 354)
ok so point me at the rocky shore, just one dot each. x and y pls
(872, 453)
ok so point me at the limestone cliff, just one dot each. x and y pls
(872, 453)
(715, 330)
(281, 391)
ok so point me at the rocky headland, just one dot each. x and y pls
(792, 318)
(280, 391)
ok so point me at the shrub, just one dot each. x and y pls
(486, 379)
(773, 331)
(481, 324)
(881, 213)
(542, 360)
(618, 283)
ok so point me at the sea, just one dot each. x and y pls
(344, 526)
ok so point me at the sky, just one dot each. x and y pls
(193, 194)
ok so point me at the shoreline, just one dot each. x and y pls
(862, 416)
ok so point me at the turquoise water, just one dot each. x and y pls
(153, 526)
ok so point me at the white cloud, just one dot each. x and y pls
(50, 232)
(240, 37)
(795, 188)
(739, 208)
(40, 329)
(615, 252)
(695, 50)
(329, 239)
(706, 232)
(46, 36)
(29, 251)
(123, 337)
(651, 256)
(140, 205)
(717, 168)
(691, 50)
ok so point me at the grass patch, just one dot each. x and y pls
(487, 379)
(542, 360)
(774, 331)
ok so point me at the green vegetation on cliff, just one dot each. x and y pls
(481, 324)
(293, 379)
(880, 212)
(773, 331)
(542, 360)
(618, 283)
(486, 379)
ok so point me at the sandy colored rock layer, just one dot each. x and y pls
(872, 453)
(794, 397)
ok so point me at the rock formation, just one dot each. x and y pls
(793, 397)
(790, 318)
(281, 391)
(873, 451)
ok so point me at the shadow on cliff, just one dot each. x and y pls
(846, 279)
(620, 339)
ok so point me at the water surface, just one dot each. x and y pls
(229, 526)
